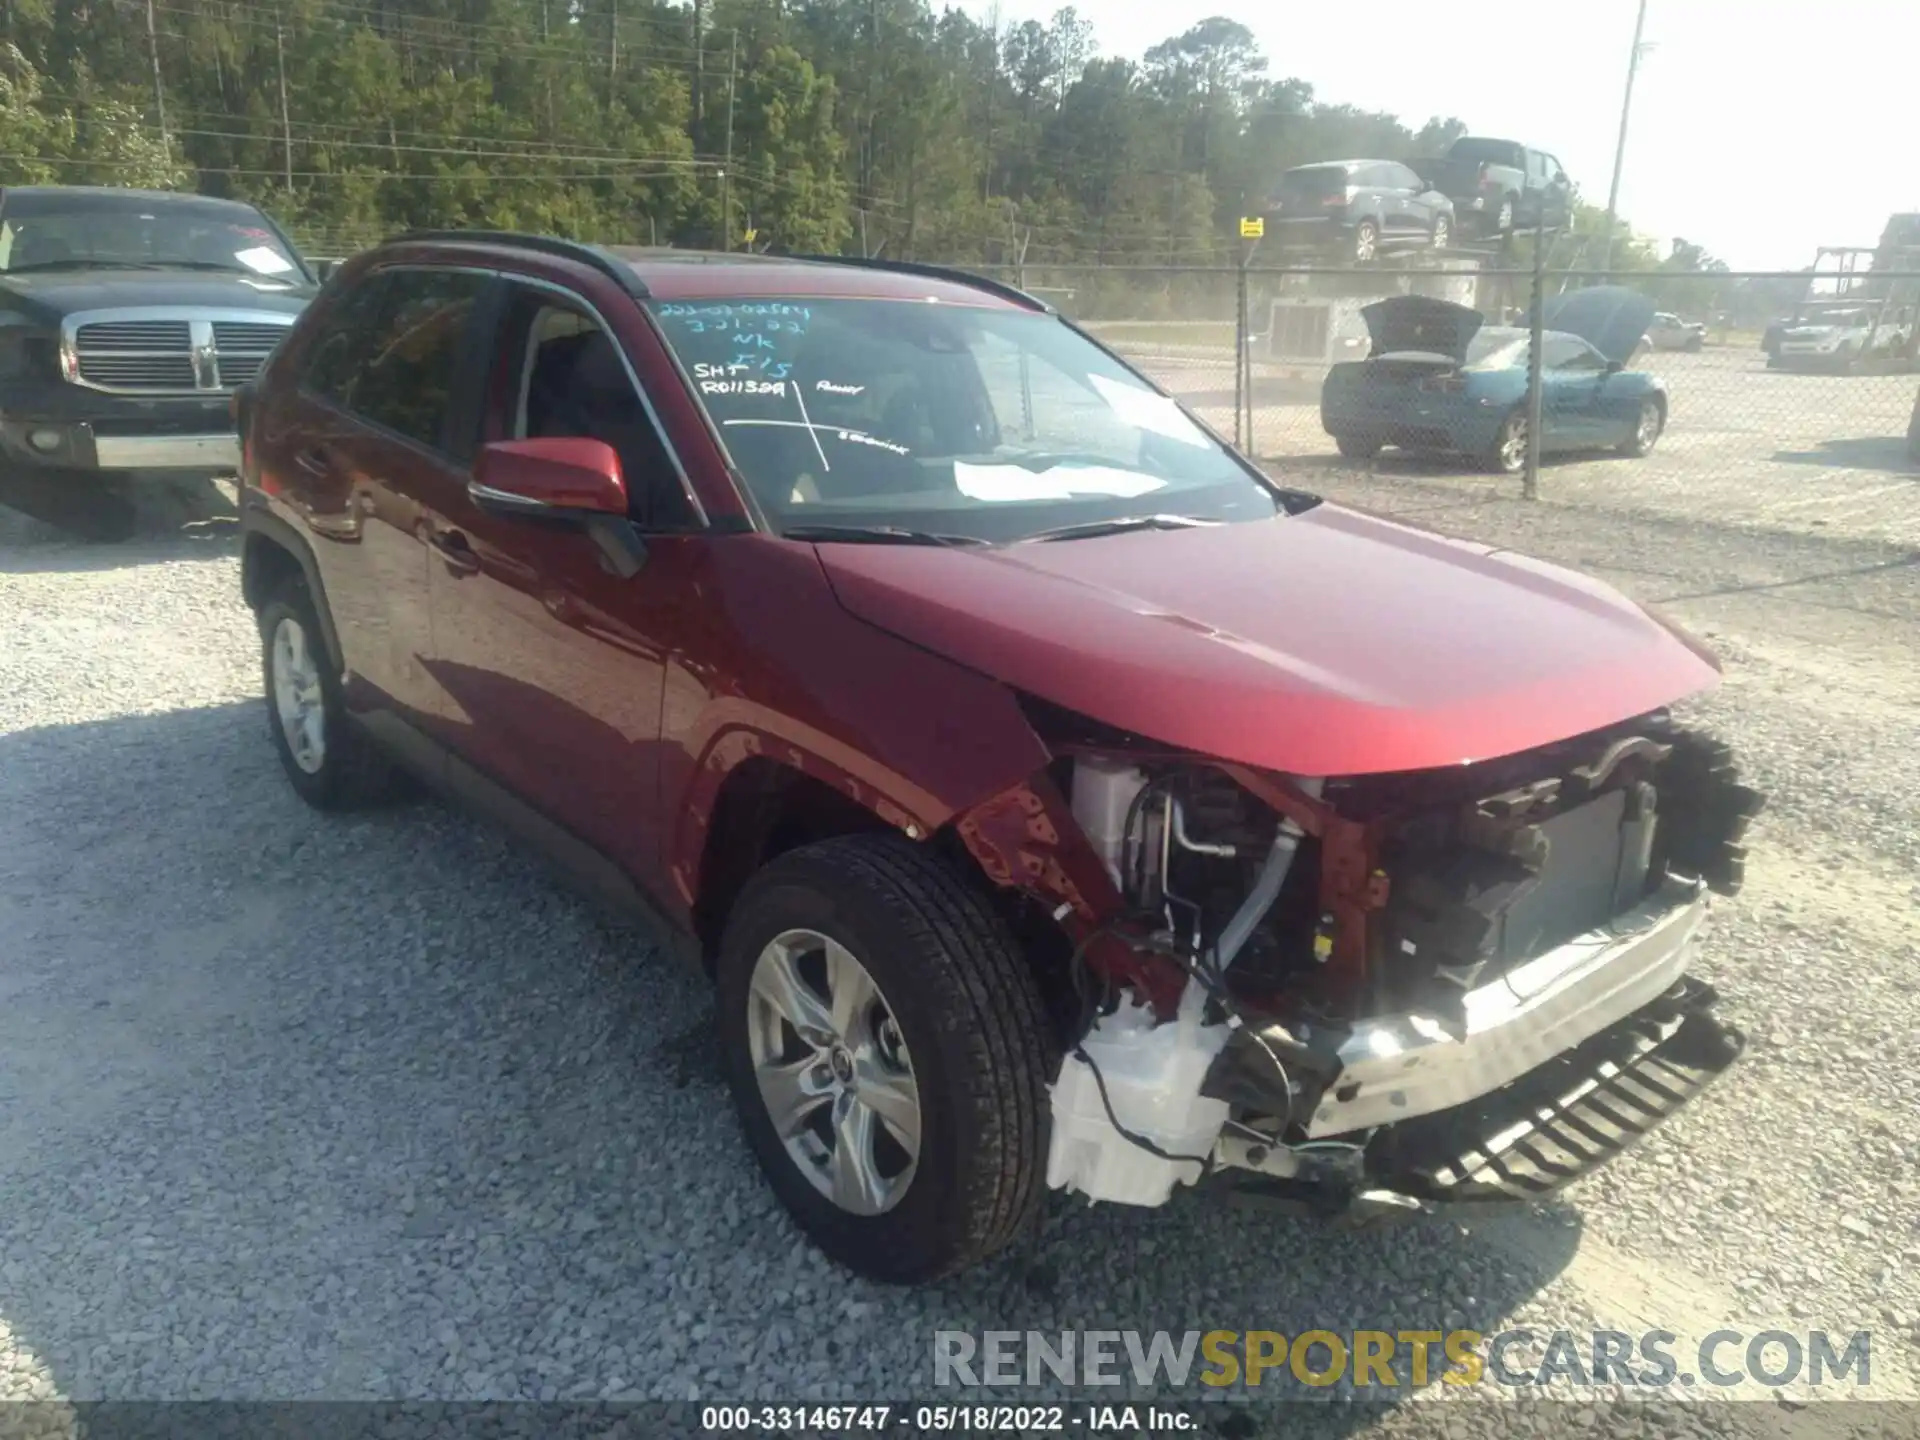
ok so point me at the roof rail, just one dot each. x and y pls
(934, 272)
(575, 250)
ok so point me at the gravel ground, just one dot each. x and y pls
(298, 1107)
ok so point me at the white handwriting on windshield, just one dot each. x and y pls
(830, 387)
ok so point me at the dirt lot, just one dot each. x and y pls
(305, 1107)
(1746, 445)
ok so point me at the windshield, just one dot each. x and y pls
(973, 422)
(88, 231)
(1835, 317)
(1497, 347)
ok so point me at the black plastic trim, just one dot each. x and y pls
(935, 272)
(593, 256)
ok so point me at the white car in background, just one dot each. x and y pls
(1670, 332)
(1842, 338)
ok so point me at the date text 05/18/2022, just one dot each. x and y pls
(943, 1419)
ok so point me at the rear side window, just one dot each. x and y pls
(1570, 352)
(392, 346)
(1315, 183)
(1488, 152)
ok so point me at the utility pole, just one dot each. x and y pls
(286, 120)
(613, 48)
(159, 91)
(699, 74)
(1620, 150)
(726, 175)
(1536, 361)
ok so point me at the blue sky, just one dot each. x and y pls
(1760, 129)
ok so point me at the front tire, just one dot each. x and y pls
(887, 1048)
(1509, 453)
(330, 764)
(1648, 427)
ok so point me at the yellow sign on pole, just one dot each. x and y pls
(1252, 227)
(752, 235)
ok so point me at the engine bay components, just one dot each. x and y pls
(1504, 915)
(1129, 1121)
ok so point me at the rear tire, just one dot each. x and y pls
(1355, 448)
(1504, 217)
(330, 762)
(1442, 233)
(972, 1045)
(1366, 241)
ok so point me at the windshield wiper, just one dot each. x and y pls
(876, 535)
(1089, 528)
(213, 265)
(77, 264)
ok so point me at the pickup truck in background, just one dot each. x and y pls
(1499, 186)
(128, 318)
(1843, 337)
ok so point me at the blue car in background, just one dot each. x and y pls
(1439, 380)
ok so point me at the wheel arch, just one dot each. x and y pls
(271, 553)
(763, 807)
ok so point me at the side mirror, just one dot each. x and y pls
(556, 478)
(1614, 367)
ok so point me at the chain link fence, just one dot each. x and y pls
(1772, 395)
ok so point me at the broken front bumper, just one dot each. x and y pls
(1564, 1061)
(1398, 1067)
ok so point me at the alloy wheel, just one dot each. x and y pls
(833, 1071)
(297, 698)
(1442, 233)
(1513, 444)
(1649, 428)
(1365, 243)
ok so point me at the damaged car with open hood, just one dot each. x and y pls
(1438, 380)
(1057, 801)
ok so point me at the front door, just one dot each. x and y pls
(552, 660)
(1572, 378)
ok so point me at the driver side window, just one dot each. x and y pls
(1567, 353)
(566, 377)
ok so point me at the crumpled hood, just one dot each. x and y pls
(1327, 643)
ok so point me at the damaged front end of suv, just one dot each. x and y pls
(1366, 996)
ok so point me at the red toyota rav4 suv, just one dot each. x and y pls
(1057, 801)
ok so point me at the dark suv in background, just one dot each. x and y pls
(1499, 186)
(1356, 209)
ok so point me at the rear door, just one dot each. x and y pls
(354, 455)
(1412, 216)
